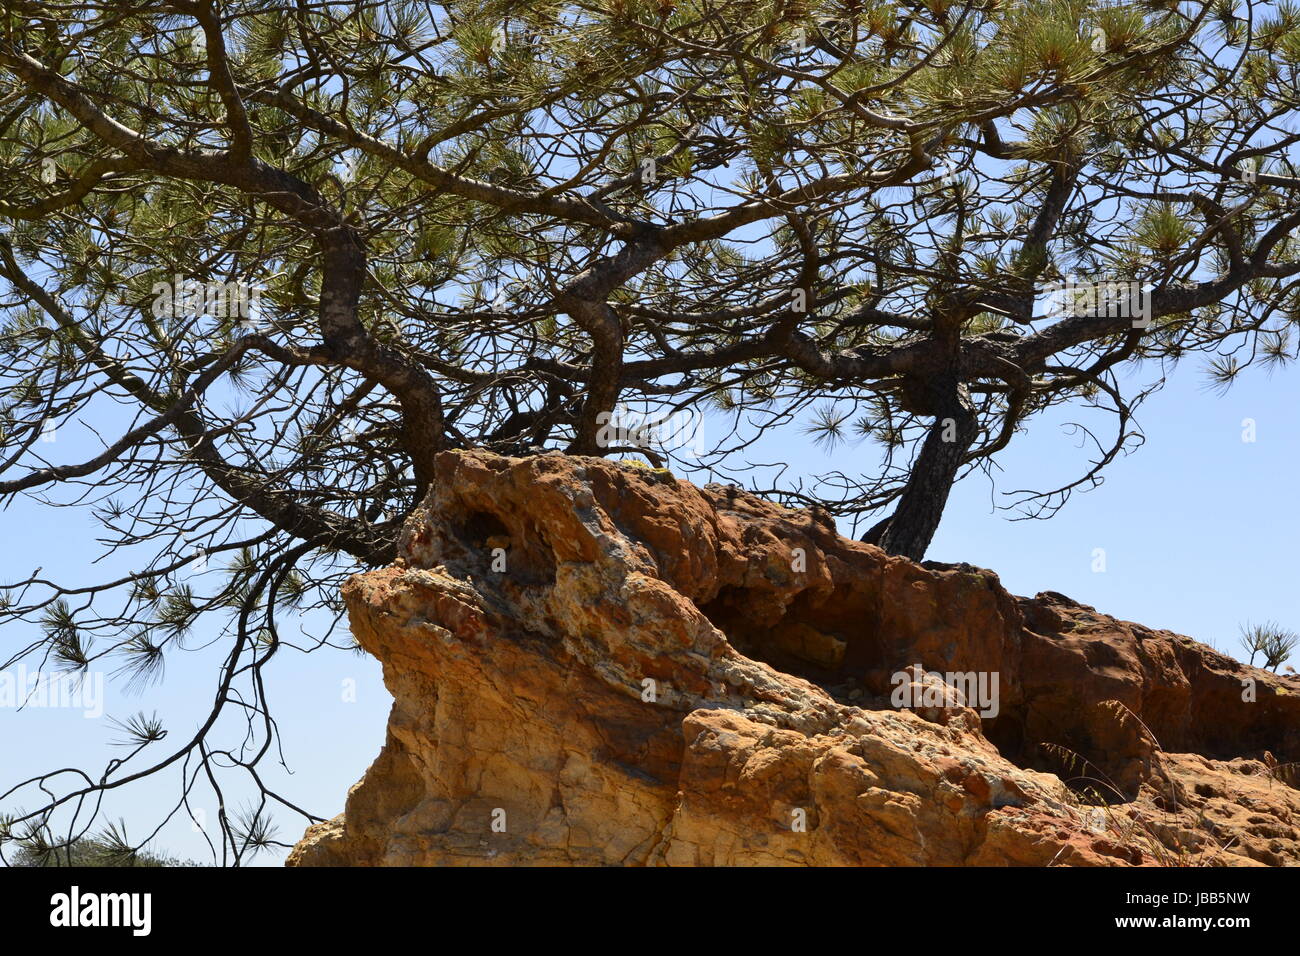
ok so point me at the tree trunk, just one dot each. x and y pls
(913, 523)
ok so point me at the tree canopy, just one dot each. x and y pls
(279, 256)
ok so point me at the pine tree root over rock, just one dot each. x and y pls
(598, 664)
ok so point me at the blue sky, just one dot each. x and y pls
(1198, 526)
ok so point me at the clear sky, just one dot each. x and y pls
(1198, 528)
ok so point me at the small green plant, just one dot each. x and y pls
(38, 846)
(1274, 642)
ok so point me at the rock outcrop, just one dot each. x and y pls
(598, 663)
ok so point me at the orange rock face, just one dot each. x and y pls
(597, 664)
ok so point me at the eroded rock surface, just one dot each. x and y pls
(666, 674)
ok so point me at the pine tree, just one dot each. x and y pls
(308, 247)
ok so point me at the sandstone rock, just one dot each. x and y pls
(662, 674)
(811, 645)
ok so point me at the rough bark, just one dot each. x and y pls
(916, 518)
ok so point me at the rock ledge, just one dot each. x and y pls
(594, 663)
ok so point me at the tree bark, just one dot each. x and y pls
(914, 522)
